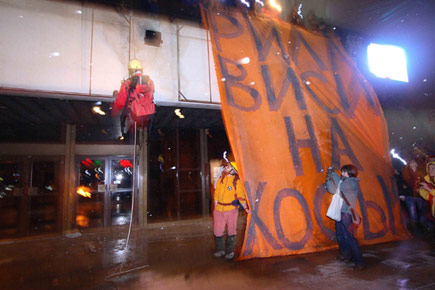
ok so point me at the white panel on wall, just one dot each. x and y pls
(109, 52)
(84, 49)
(194, 70)
(160, 63)
(42, 46)
(215, 96)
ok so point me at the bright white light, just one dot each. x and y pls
(178, 113)
(260, 2)
(387, 61)
(79, 11)
(97, 110)
(395, 155)
(275, 5)
(300, 11)
(245, 60)
(119, 177)
(54, 54)
(245, 2)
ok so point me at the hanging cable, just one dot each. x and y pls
(134, 186)
(132, 32)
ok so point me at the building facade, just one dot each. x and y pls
(63, 166)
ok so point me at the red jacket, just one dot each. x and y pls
(141, 100)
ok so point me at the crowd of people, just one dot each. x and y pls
(416, 189)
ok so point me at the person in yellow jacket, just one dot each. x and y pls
(427, 187)
(228, 196)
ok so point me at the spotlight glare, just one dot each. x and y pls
(387, 61)
(245, 2)
(97, 110)
(259, 2)
(275, 5)
(245, 60)
(395, 155)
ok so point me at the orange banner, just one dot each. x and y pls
(294, 104)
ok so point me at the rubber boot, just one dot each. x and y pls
(231, 243)
(220, 247)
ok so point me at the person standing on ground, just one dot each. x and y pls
(427, 186)
(413, 174)
(427, 192)
(228, 196)
(348, 188)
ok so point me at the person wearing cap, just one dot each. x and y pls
(427, 186)
(427, 192)
(136, 87)
(228, 196)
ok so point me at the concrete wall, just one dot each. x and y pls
(55, 46)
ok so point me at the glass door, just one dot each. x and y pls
(104, 192)
(120, 191)
(30, 194)
(91, 192)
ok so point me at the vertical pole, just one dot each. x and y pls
(24, 206)
(205, 176)
(143, 179)
(134, 184)
(91, 56)
(208, 65)
(177, 173)
(107, 198)
(69, 200)
(178, 60)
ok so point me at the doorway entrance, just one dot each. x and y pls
(30, 195)
(104, 191)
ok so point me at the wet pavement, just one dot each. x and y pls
(180, 257)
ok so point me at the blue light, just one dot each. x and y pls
(397, 156)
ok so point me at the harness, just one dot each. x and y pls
(129, 88)
(235, 202)
(225, 204)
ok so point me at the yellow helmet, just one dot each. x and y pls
(431, 162)
(134, 65)
(234, 166)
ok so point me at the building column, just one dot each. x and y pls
(142, 207)
(205, 174)
(69, 196)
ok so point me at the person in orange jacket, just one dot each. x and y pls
(229, 195)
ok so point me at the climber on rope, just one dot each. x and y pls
(134, 103)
